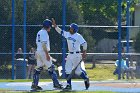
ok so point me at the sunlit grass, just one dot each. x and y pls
(101, 72)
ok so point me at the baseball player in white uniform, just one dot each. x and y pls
(43, 58)
(74, 41)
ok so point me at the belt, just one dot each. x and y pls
(74, 52)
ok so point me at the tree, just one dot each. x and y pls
(5, 32)
(99, 13)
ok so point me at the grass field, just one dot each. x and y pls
(100, 72)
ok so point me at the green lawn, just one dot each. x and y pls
(101, 72)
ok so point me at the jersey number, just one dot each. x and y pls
(38, 37)
(73, 45)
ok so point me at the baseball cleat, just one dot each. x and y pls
(87, 84)
(34, 87)
(58, 86)
(68, 87)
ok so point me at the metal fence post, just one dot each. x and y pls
(119, 37)
(24, 40)
(13, 38)
(127, 30)
(63, 39)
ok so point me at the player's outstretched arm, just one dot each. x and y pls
(54, 23)
(56, 27)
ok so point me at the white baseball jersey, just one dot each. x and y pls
(42, 37)
(74, 41)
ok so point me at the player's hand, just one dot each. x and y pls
(53, 22)
(53, 59)
(48, 57)
(84, 55)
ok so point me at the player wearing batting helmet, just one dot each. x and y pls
(47, 23)
(74, 27)
(74, 41)
(43, 57)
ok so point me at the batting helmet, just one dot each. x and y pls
(75, 27)
(47, 23)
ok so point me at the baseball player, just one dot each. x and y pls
(44, 60)
(74, 41)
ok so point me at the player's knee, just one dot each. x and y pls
(78, 73)
(51, 69)
(38, 70)
(67, 71)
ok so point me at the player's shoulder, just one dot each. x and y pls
(42, 31)
(79, 35)
(117, 61)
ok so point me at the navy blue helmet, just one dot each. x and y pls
(75, 27)
(47, 23)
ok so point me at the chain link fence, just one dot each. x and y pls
(97, 22)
